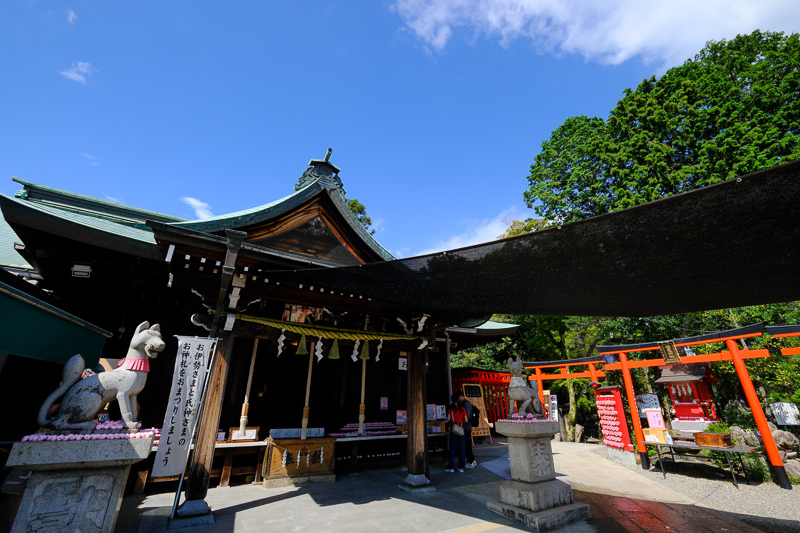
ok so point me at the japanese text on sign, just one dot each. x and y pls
(786, 413)
(188, 379)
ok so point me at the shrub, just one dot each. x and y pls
(737, 415)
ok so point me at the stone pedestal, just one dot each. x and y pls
(74, 485)
(534, 496)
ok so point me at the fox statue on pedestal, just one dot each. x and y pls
(518, 391)
(83, 399)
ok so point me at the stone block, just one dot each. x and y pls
(193, 508)
(417, 480)
(416, 491)
(531, 459)
(85, 500)
(546, 520)
(192, 521)
(537, 496)
(520, 429)
(63, 455)
(622, 457)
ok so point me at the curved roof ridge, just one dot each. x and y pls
(262, 212)
(210, 221)
(60, 193)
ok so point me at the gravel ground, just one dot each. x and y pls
(763, 505)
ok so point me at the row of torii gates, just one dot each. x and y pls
(615, 357)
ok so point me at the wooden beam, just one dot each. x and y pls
(703, 358)
(560, 364)
(692, 343)
(574, 375)
(417, 417)
(199, 470)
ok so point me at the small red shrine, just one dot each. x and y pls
(691, 397)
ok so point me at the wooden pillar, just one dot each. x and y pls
(447, 361)
(637, 422)
(758, 414)
(199, 469)
(417, 420)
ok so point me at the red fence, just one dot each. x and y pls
(494, 386)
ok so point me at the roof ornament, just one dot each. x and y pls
(323, 172)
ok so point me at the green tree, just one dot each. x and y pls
(360, 211)
(519, 227)
(732, 109)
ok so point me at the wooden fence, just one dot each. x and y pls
(494, 386)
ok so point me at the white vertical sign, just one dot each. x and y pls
(188, 381)
(553, 410)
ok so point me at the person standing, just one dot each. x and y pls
(457, 417)
(470, 455)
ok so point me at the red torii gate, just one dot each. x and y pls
(784, 332)
(616, 358)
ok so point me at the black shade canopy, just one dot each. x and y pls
(731, 244)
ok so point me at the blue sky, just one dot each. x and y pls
(434, 108)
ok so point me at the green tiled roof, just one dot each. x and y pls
(87, 205)
(246, 217)
(101, 224)
(243, 217)
(9, 257)
(129, 222)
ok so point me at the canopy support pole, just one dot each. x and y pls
(758, 415)
(637, 422)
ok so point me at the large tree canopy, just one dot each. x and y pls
(733, 109)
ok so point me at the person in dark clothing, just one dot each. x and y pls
(471, 462)
(456, 417)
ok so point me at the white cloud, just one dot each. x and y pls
(480, 231)
(201, 209)
(378, 224)
(78, 72)
(113, 199)
(402, 252)
(71, 16)
(92, 159)
(607, 31)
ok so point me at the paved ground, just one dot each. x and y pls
(621, 500)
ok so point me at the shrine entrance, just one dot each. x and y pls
(692, 401)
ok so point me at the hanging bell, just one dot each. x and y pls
(334, 353)
(365, 351)
(302, 349)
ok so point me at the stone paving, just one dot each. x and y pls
(370, 501)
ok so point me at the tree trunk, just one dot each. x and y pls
(570, 422)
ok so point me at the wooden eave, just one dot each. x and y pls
(282, 215)
(319, 206)
(201, 272)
